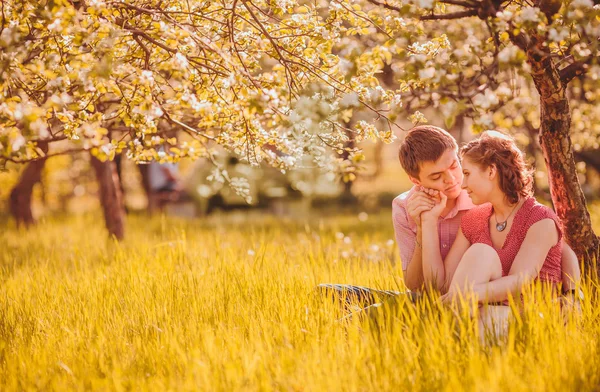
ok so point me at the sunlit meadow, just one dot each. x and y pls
(227, 303)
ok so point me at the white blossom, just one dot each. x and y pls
(529, 14)
(503, 91)
(504, 15)
(285, 4)
(288, 160)
(107, 148)
(582, 3)
(350, 100)
(18, 142)
(40, 127)
(486, 100)
(55, 25)
(180, 60)
(427, 73)
(508, 54)
(147, 77)
(427, 4)
(558, 35)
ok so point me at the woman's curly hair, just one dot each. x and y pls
(494, 148)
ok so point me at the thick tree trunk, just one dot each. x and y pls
(111, 197)
(555, 141)
(20, 196)
(145, 177)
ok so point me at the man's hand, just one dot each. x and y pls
(571, 303)
(419, 202)
(454, 300)
(440, 200)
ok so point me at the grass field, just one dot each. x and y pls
(226, 304)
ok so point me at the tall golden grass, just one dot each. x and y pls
(227, 303)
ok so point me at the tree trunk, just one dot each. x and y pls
(20, 196)
(111, 197)
(533, 150)
(555, 141)
(145, 177)
(347, 196)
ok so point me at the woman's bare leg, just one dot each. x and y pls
(493, 321)
(479, 264)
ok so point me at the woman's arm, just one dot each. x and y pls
(540, 238)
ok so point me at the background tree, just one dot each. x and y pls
(113, 77)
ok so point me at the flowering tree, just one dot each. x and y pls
(277, 80)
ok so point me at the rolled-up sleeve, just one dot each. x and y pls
(404, 233)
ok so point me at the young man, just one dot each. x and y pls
(429, 155)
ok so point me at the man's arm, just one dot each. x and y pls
(571, 273)
(433, 265)
(409, 242)
(434, 273)
(413, 274)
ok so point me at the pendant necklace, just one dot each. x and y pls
(500, 226)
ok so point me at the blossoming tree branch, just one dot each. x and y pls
(110, 77)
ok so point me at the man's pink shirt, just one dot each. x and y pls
(406, 229)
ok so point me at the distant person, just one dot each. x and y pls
(164, 184)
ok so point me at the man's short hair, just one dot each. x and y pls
(425, 143)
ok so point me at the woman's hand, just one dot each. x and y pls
(419, 202)
(440, 200)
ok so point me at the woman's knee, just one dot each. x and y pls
(485, 258)
(482, 251)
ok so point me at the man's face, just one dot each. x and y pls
(444, 175)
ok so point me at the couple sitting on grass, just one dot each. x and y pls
(470, 224)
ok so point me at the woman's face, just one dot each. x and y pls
(477, 181)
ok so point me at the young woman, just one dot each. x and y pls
(509, 239)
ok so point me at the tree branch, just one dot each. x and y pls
(150, 39)
(453, 15)
(46, 156)
(146, 51)
(573, 70)
(466, 4)
(384, 5)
